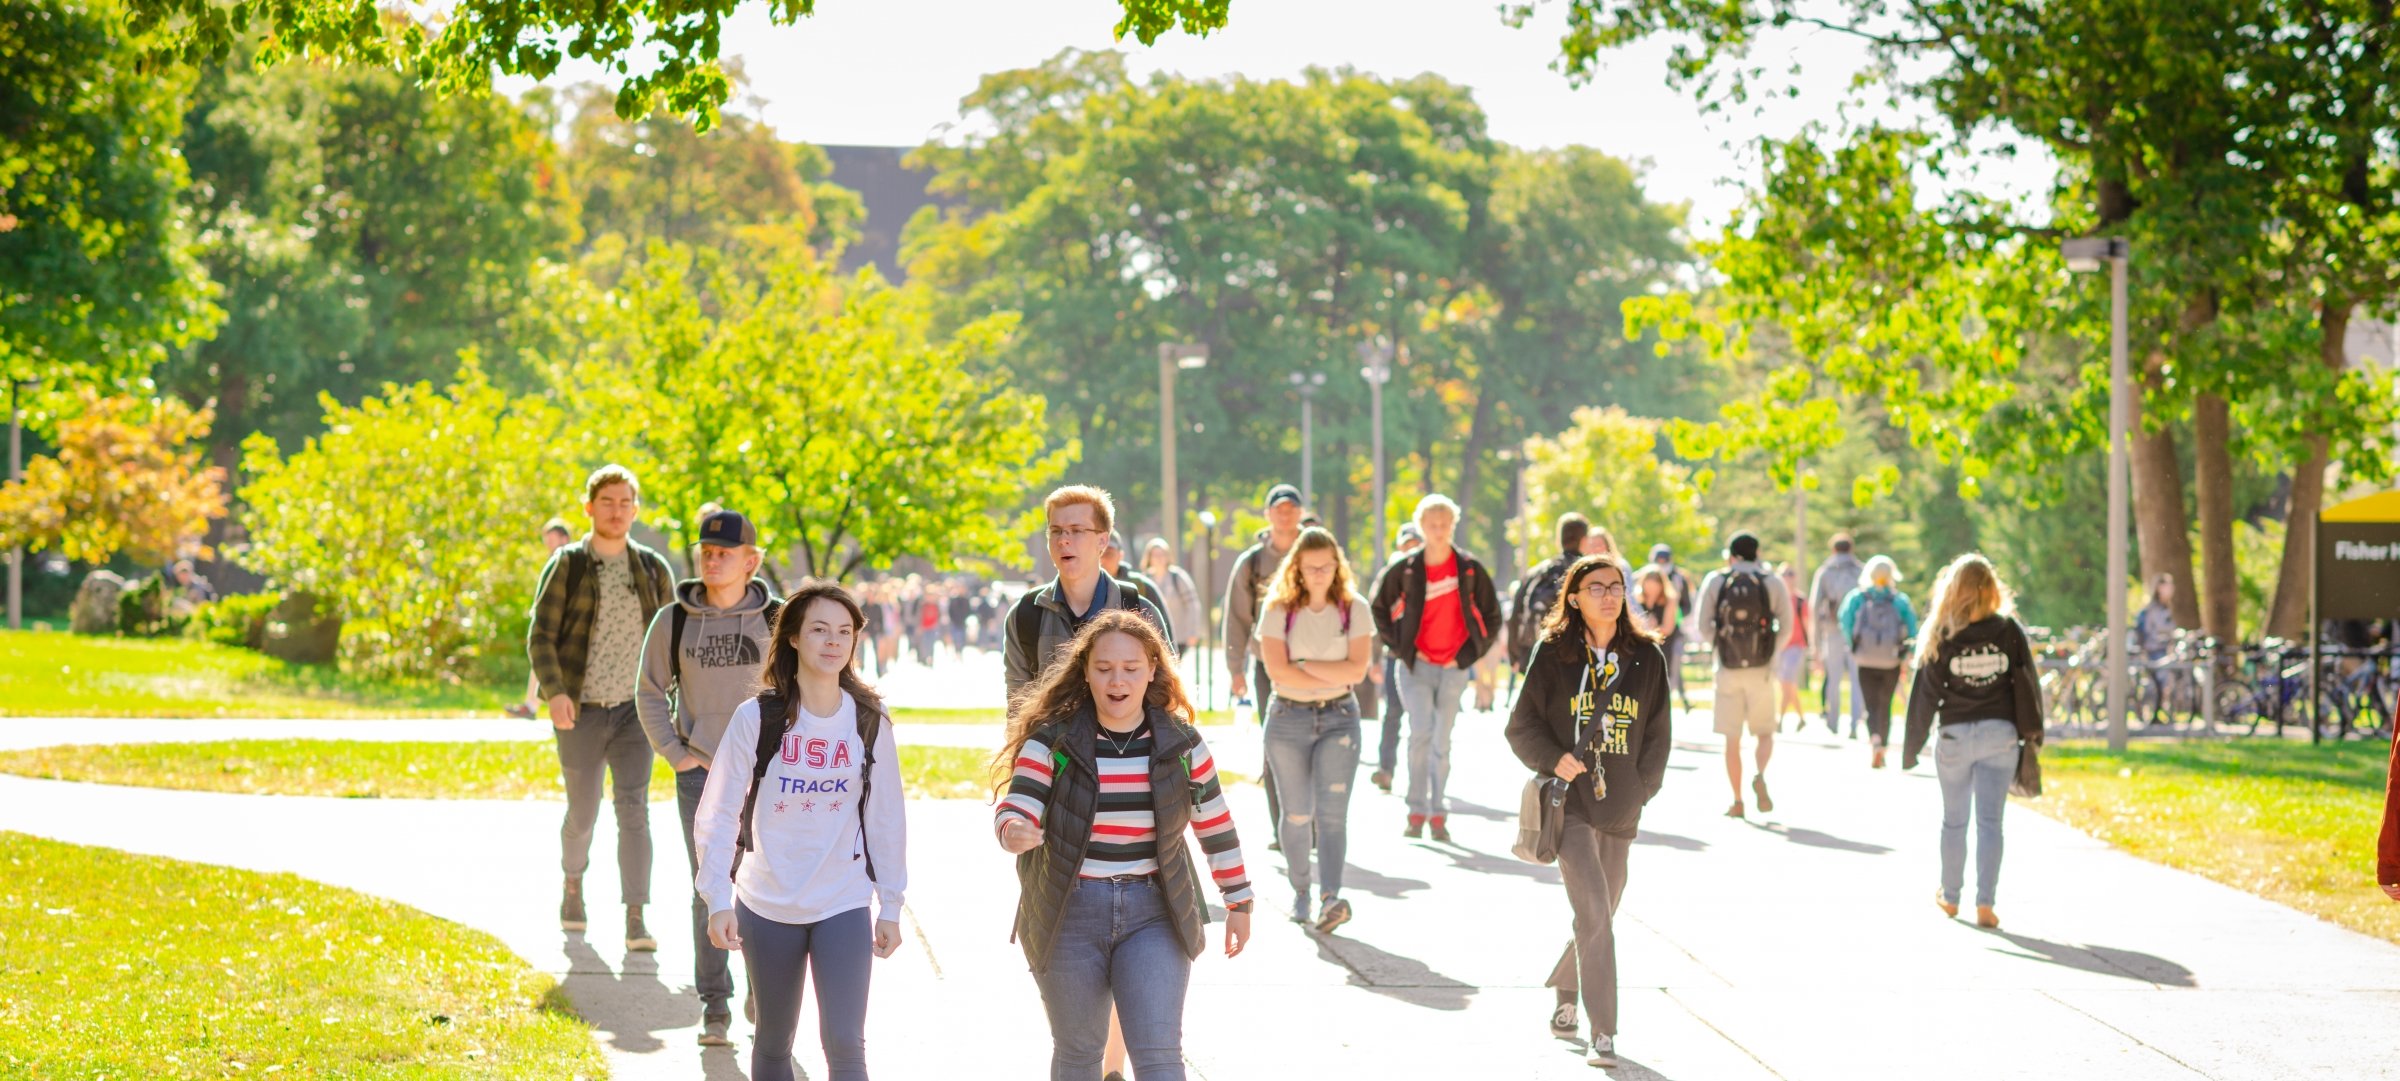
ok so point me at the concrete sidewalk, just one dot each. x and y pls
(1797, 945)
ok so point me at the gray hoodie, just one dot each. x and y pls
(723, 649)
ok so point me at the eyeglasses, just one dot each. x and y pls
(1604, 589)
(1074, 533)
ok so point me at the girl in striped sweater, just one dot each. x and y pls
(1103, 773)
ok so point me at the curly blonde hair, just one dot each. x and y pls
(1062, 689)
(1290, 591)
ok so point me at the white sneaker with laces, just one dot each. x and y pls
(1562, 1020)
(1604, 1051)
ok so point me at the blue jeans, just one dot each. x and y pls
(1116, 945)
(712, 972)
(1387, 750)
(839, 950)
(1841, 665)
(1314, 747)
(1975, 762)
(1430, 695)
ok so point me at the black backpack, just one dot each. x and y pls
(774, 718)
(1745, 618)
(1025, 624)
(1541, 595)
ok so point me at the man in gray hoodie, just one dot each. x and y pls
(700, 660)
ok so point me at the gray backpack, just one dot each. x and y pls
(1876, 631)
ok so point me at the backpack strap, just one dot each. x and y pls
(579, 562)
(1291, 613)
(675, 645)
(774, 716)
(870, 728)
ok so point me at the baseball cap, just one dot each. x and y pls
(1657, 550)
(1282, 493)
(1409, 532)
(727, 529)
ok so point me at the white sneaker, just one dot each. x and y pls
(1562, 1021)
(1604, 1051)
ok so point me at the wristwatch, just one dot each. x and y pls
(1240, 906)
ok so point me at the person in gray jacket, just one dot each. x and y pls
(700, 660)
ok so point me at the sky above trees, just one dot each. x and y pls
(891, 73)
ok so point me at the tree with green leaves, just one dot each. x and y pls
(362, 230)
(665, 52)
(97, 280)
(834, 413)
(1606, 465)
(411, 517)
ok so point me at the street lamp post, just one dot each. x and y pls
(1308, 384)
(1377, 355)
(1171, 356)
(2084, 255)
(1208, 618)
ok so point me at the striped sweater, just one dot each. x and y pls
(1124, 828)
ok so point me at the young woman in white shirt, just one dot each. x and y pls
(800, 827)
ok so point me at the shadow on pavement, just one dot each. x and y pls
(1669, 840)
(1630, 1070)
(1357, 877)
(1477, 810)
(2105, 960)
(725, 1064)
(1389, 974)
(1816, 839)
(627, 1007)
(1469, 859)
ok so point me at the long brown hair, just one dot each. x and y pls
(1563, 620)
(1967, 590)
(1062, 689)
(1290, 591)
(780, 675)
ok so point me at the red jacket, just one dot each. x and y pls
(2387, 850)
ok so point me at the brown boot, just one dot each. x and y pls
(1986, 918)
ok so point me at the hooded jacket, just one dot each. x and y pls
(1632, 757)
(723, 649)
(1983, 673)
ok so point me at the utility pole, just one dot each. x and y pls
(1171, 357)
(1308, 384)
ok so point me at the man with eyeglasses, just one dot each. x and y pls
(1046, 618)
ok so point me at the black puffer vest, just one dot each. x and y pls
(1047, 875)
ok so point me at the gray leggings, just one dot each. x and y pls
(841, 950)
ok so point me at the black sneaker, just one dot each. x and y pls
(570, 905)
(637, 937)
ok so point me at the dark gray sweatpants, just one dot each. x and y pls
(1593, 865)
(606, 748)
(840, 949)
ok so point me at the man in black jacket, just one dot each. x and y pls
(1438, 612)
(1538, 590)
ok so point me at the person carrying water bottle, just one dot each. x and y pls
(1877, 625)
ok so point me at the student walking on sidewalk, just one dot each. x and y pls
(1877, 623)
(1743, 611)
(1104, 774)
(1594, 714)
(595, 598)
(700, 662)
(1438, 612)
(801, 824)
(1975, 678)
(1316, 636)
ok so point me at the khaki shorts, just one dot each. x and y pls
(1746, 699)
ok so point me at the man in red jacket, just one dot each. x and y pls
(2387, 850)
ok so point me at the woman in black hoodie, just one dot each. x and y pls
(1593, 712)
(1975, 675)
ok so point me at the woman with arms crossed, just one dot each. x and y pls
(800, 825)
(1594, 714)
(1104, 773)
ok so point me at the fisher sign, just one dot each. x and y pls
(2358, 559)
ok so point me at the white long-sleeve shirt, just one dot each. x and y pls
(808, 856)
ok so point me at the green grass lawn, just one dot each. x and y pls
(121, 966)
(55, 674)
(364, 769)
(2290, 822)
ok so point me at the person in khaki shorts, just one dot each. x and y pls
(1743, 611)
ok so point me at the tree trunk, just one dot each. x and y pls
(2287, 617)
(1341, 503)
(2212, 473)
(2159, 515)
(1474, 529)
